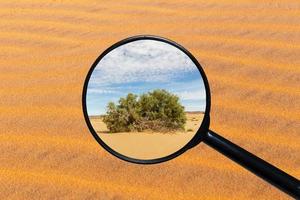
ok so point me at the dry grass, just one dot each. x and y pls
(250, 52)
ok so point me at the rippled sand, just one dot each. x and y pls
(249, 50)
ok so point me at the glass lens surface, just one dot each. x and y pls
(146, 99)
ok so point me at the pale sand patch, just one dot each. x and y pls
(148, 145)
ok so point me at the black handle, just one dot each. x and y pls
(261, 168)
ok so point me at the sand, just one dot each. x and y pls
(248, 49)
(148, 145)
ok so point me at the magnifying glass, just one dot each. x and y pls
(146, 100)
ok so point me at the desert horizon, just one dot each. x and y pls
(187, 112)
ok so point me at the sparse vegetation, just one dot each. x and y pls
(158, 110)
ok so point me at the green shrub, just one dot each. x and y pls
(157, 110)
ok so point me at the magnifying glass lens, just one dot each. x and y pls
(145, 99)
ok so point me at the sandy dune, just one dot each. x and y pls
(148, 144)
(249, 51)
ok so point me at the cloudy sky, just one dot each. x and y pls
(142, 66)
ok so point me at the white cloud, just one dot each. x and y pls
(192, 95)
(101, 91)
(142, 60)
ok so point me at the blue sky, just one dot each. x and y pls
(142, 66)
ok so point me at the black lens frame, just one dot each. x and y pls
(197, 137)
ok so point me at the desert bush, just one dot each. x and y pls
(123, 117)
(158, 110)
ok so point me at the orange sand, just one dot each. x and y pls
(250, 51)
